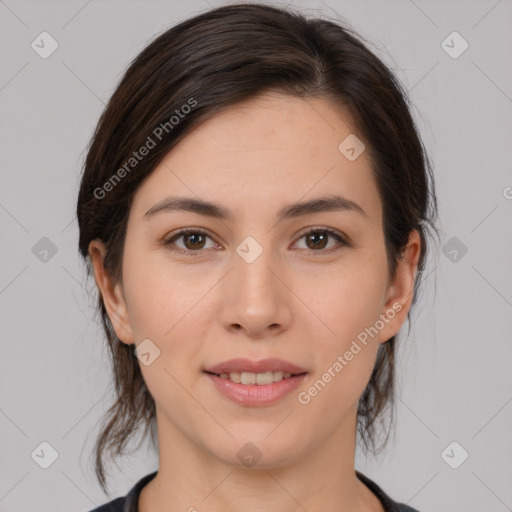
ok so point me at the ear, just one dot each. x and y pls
(112, 294)
(400, 293)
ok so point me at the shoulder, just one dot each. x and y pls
(128, 503)
(387, 502)
(400, 507)
(116, 505)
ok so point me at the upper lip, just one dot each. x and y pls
(246, 365)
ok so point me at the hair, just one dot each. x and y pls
(211, 62)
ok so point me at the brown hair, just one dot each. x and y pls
(210, 62)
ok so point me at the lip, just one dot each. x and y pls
(246, 365)
(255, 395)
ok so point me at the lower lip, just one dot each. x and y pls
(254, 395)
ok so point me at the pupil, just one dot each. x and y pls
(317, 239)
(321, 236)
(189, 236)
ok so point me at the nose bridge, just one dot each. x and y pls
(252, 263)
(254, 297)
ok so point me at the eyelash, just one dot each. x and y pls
(168, 242)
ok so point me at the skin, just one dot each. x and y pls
(295, 301)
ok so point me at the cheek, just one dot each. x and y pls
(154, 299)
(349, 304)
(166, 307)
(349, 301)
(346, 357)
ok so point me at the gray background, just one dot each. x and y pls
(454, 369)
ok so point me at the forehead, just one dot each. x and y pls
(270, 150)
(276, 121)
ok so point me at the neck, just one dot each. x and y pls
(191, 479)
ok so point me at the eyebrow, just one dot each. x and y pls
(209, 209)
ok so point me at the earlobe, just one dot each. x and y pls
(401, 291)
(111, 292)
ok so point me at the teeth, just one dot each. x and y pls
(255, 378)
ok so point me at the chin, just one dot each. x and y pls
(258, 451)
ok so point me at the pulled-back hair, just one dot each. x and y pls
(211, 62)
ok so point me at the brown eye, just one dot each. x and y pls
(317, 240)
(194, 240)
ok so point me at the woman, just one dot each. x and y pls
(254, 206)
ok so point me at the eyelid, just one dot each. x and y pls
(343, 240)
(168, 240)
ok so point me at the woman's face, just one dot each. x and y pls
(253, 284)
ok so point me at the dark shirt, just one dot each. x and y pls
(130, 502)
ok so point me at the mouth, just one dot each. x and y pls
(245, 371)
(260, 379)
(257, 394)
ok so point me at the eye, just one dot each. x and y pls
(316, 239)
(194, 240)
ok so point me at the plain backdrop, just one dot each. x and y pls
(453, 444)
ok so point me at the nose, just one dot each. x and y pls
(256, 300)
